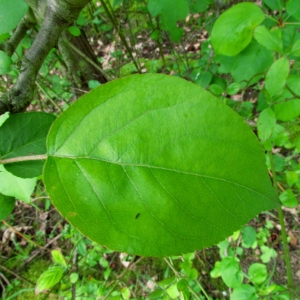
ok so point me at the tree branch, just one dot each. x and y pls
(58, 15)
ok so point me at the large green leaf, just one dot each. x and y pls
(233, 30)
(155, 165)
(11, 12)
(25, 134)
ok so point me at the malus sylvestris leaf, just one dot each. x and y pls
(233, 30)
(155, 165)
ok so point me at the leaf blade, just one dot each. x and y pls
(148, 143)
(233, 30)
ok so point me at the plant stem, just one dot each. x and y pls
(48, 97)
(23, 158)
(118, 278)
(178, 275)
(24, 236)
(290, 281)
(120, 33)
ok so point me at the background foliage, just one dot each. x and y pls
(247, 57)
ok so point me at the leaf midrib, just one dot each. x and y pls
(161, 168)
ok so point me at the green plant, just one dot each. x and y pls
(162, 167)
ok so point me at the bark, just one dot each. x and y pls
(79, 62)
(58, 15)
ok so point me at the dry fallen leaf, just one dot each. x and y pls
(293, 239)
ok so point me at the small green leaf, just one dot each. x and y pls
(276, 76)
(58, 258)
(231, 272)
(157, 294)
(74, 30)
(288, 199)
(125, 291)
(244, 292)
(166, 282)
(291, 177)
(11, 13)
(269, 39)
(7, 205)
(48, 279)
(215, 272)
(235, 235)
(3, 118)
(295, 48)
(248, 236)
(182, 284)
(254, 59)
(257, 273)
(274, 4)
(173, 292)
(287, 111)
(266, 123)
(293, 8)
(121, 150)
(233, 30)
(93, 84)
(268, 253)
(216, 89)
(192, 274)
(197, 6)
(13, 186)
(5, 63)
(4, 36)
(25, 134)
(169, 17)
(74, 277)
(233, 88)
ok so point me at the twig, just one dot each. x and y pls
(23, 158)
(118, 278)
(16, 275)
(23, 236)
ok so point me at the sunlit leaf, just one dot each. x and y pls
(13, 186)
(277, 76)
(233, 30)
(48, 279)
(155, 165)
